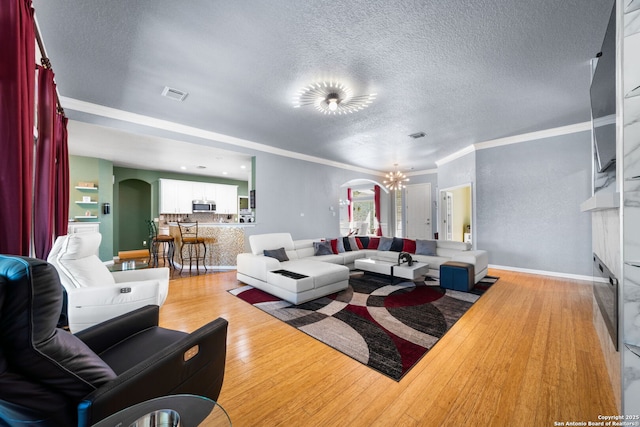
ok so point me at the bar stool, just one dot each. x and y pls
(195, 246)
(155, 239)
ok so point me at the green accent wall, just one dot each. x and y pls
(133, 196)
(133, 207)
(99, 172)
(125, 214)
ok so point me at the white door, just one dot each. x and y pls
(418, 211)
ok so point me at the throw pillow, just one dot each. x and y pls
(426, 247)
(347, 244)
(363, 242)
(336, 245)
(322, 248)
(409, 246)
(280, 254)
(353, 243)
(397, 244)
(374, 242)
(385, 243)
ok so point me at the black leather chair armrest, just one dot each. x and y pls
(192, 365)
(103, 335)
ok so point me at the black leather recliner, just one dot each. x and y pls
(51, 377)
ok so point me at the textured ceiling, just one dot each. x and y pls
(461, 71)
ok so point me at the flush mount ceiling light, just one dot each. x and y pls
(395, 180)
(331, 98)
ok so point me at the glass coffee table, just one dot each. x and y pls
(174, 410)
(392, 269)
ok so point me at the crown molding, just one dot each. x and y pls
(531, 136)
(424, 172)
(451, 157)
(516, 139)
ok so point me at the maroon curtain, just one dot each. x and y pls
(61, 197)
(349, 206)
(376, 201)
(17, 76)
(45, 177)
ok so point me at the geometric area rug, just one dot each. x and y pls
(386, 327)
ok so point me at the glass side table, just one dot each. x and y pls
(184, 410)
(129, 265)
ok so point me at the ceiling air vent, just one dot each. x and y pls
(175, 94)
(417, 135)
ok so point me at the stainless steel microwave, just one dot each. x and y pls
(203, 206)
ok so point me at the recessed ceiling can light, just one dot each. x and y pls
(175, 94)
(184, 168)
(332, 98)
(224, 173)
(243, 167)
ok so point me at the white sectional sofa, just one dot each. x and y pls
(330, 273)
(258, 270)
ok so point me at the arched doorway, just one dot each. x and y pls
(357, 212)
(134, 207)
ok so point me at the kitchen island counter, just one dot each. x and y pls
(224, 241)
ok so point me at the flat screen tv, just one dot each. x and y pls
(603, 100)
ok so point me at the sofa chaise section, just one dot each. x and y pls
(259, 271)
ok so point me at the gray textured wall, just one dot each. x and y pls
(458, 172)
(287, 188)
(528, 204)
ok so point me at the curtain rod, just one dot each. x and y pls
(46, 63)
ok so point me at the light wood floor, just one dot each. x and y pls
(525, 354)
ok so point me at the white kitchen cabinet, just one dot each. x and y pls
(175, 196)
(197, 191)
(210, 192)
(227, 199)
(185, 198)
(168, 195)
(204, 191)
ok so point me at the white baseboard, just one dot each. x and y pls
(589, 279)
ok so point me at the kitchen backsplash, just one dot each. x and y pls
(205, 217)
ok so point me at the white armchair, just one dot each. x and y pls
(94, 293)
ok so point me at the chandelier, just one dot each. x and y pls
(331, 98)
(395, 180)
